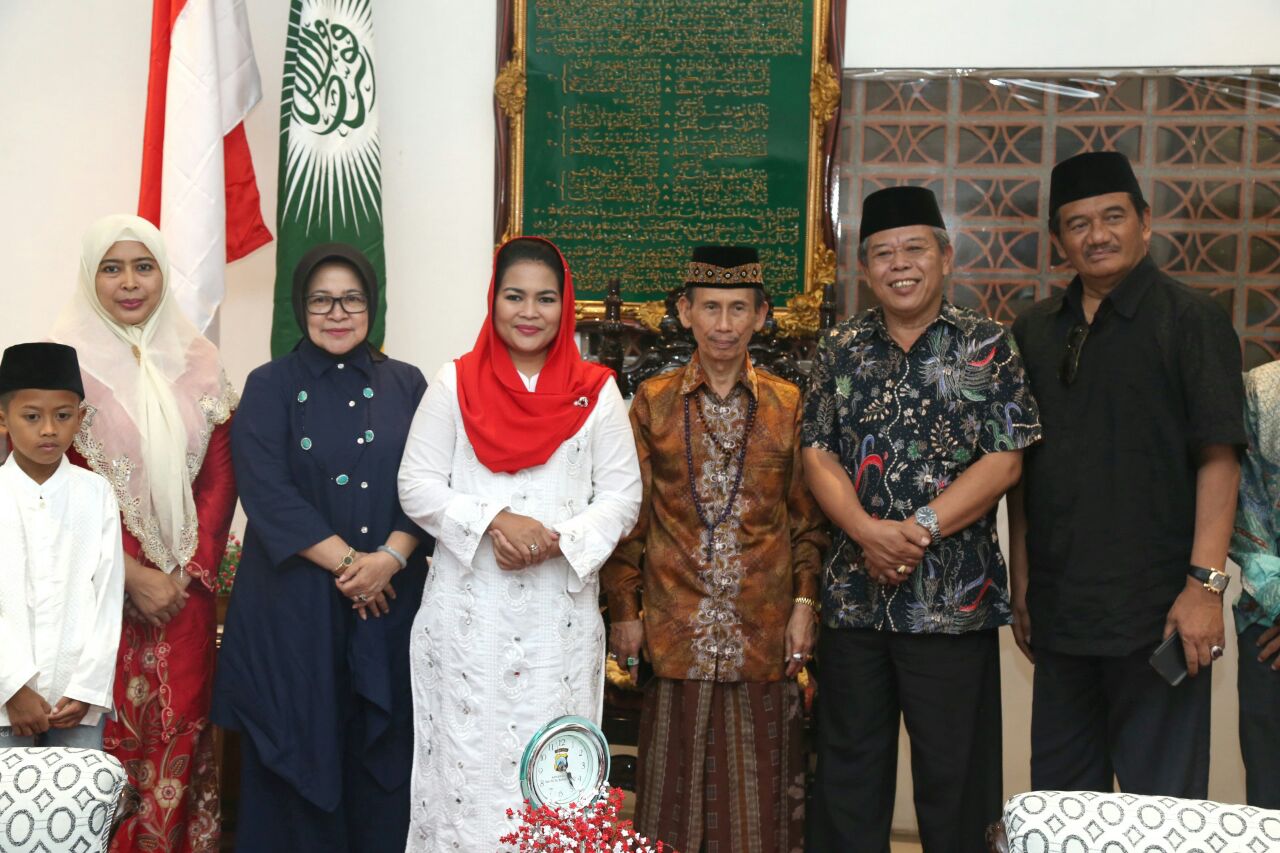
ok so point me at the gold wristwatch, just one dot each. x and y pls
(1213, 580)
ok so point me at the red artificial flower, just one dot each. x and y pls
(596, 829)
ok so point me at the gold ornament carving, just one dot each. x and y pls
(824, 94)
(803, 316)
(824, 266)
(804, 310)
(650, 314)
(510, 88)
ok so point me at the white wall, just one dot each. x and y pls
(1078, 34)
(69, 153)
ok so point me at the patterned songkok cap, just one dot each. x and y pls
(725, 266)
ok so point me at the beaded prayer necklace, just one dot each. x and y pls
(712, 525)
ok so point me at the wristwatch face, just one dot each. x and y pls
(928, 519)
(1218, 581)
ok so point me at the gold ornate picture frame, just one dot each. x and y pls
(798, 315)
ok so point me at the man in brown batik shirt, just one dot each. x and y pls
(718, 583)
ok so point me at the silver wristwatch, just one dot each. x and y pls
(928, 519)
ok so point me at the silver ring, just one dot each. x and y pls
(633, 661)
(362, 598)
(1216, 651)
(797, 656)
(533, 547)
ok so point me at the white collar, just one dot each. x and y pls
(29, 489)
(530, 382)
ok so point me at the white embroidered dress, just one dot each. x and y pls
(497, 654)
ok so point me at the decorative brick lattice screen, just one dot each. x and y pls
(1206, 150)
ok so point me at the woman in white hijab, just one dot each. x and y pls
(157, 428)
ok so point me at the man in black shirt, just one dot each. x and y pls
(1119, 530)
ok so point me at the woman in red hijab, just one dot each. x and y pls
(521, 463)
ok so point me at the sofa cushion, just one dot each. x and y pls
(1089, 822)
(57, 799)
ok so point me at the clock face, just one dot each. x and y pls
(567, 762)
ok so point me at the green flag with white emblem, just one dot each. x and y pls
(330, 182)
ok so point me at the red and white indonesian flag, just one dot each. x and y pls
(198, 183)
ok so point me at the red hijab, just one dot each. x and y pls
(510, 427)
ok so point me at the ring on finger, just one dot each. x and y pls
(1216, 651)
(362, 598)
(902, 570)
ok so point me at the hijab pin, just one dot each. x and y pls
(582, 402)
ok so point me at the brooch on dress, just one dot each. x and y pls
(582, 402)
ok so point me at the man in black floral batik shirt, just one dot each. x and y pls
(913, 430)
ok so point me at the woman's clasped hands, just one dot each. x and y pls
(367, 582)
(520, 541)
(152, 596)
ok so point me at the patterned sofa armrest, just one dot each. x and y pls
(58, 798)
(1090, 822)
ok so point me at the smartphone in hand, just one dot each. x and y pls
(1170, 660)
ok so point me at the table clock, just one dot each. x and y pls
(566, 762)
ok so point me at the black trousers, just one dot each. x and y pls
(1259, 687)
(1092, 717)
(947, 689)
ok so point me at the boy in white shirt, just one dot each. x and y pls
(61, 560)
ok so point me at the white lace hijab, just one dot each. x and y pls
(154, 392)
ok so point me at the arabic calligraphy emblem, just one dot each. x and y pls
(333, 85)
(333, 176)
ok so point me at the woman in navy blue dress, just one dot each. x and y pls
(314, 666)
